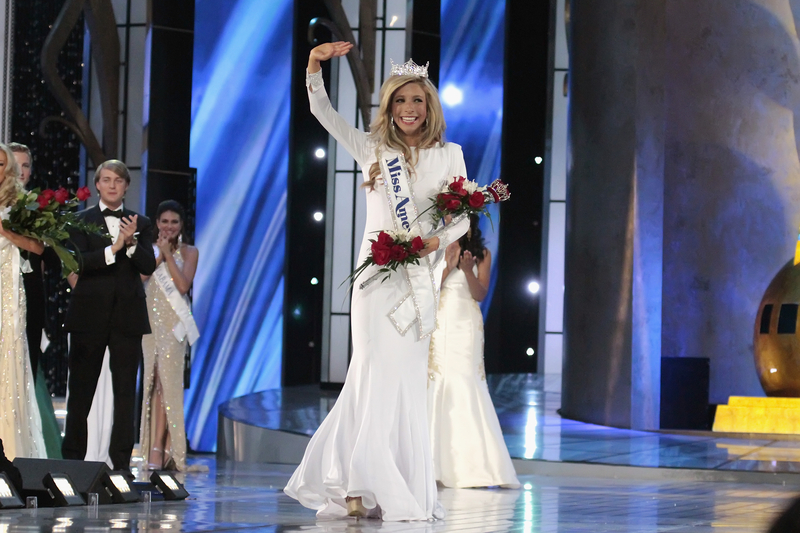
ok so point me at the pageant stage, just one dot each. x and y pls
(274, 426)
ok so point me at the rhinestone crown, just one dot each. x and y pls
(409, 68)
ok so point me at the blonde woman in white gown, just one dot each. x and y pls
(371, 455)
(467, 443)
(20, 421)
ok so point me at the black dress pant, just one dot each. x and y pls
(85, 362)
(34, 294)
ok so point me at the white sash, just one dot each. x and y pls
(418, 306)
(186, 326)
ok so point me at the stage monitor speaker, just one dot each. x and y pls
(684, 393)
(86, 476)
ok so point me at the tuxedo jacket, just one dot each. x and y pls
(111, 296)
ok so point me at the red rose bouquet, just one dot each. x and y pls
(389, 251)
(48, 216)
(464, 196)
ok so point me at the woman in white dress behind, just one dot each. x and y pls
(371, 454)
(467, 443)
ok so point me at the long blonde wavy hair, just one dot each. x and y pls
(10, 184)
(384, 134)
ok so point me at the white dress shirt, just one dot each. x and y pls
(113, 229)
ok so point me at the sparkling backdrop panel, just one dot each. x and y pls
(240, 147)
(471, 87)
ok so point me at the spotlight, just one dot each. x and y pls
(8, 494)
(538, 160)
(320, 153)
(314, 281)
(530, 352)
(118, 488)
(62, 490)
(533, 287)
(169, 486)
(452, 96)
(318, 216)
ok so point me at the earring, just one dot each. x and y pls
(469, 234)
(180, 239)
(426, 123)
(392, 119)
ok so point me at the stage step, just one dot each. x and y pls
(750, 414)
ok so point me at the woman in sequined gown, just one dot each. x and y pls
(20, 421)
(162, 431)
(466, 440)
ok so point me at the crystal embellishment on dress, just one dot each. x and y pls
(409, 68)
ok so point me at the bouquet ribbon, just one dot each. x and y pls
(418, 306)
(186, 326)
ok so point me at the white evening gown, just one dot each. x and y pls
(374, 443)
(466, 440)
(100, 421)
(20, 421)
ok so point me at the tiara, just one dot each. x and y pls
(409, 68)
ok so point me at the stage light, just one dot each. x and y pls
(318, 216)
(168, 486)
(394, 19)
(118, 487)
(62, 490)
(530, 352)
(452, 96)
(528, 486)
(538, 160)
(9, 499)
(314, 281)
(533, 287)
(320, 153)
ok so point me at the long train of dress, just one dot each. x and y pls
(20, 421)
(466, 439)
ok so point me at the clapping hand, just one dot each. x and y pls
(467, 261)
(451, 255)
(164, 246)
(127, 228)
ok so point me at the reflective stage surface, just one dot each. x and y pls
(247, 497)
(527, 406)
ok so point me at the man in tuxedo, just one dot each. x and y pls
(108, 309)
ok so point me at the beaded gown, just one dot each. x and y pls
(20, 421)
(467, 443)
(374, 443)
(163, 351)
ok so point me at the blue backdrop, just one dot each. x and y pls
(471, 87)
(239, 145)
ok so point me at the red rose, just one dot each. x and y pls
(476, 199)
(398, 253)
(381, 254)
(417, 245)
(452, 205)
(384, 239)
(43, 201)
(456, 187)
(83, 194)
(48, 194)
(61, 195)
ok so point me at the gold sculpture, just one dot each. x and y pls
(775, 336)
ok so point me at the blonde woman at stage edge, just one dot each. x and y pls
(371, 455)
(163, 432)
(20, 421)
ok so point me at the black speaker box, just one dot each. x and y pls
(87, 476)
(684, 393)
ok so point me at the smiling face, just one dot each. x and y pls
(24, 162)
(169, 225)
(111, 187)
(409, 111)
(3, 164)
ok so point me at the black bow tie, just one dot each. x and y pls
(109, 213)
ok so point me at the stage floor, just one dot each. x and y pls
(244, 497)
(527, 406)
